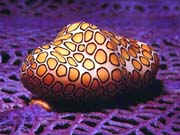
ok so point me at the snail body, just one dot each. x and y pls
(84, 62)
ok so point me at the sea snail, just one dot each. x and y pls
(84, 62)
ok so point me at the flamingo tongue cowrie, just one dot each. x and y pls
(84, 62)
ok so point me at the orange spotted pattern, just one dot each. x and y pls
(85, 62)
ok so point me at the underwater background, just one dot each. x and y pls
(27, 24)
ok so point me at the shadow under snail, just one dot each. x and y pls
(85, 62)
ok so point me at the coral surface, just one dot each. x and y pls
(24, 25)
